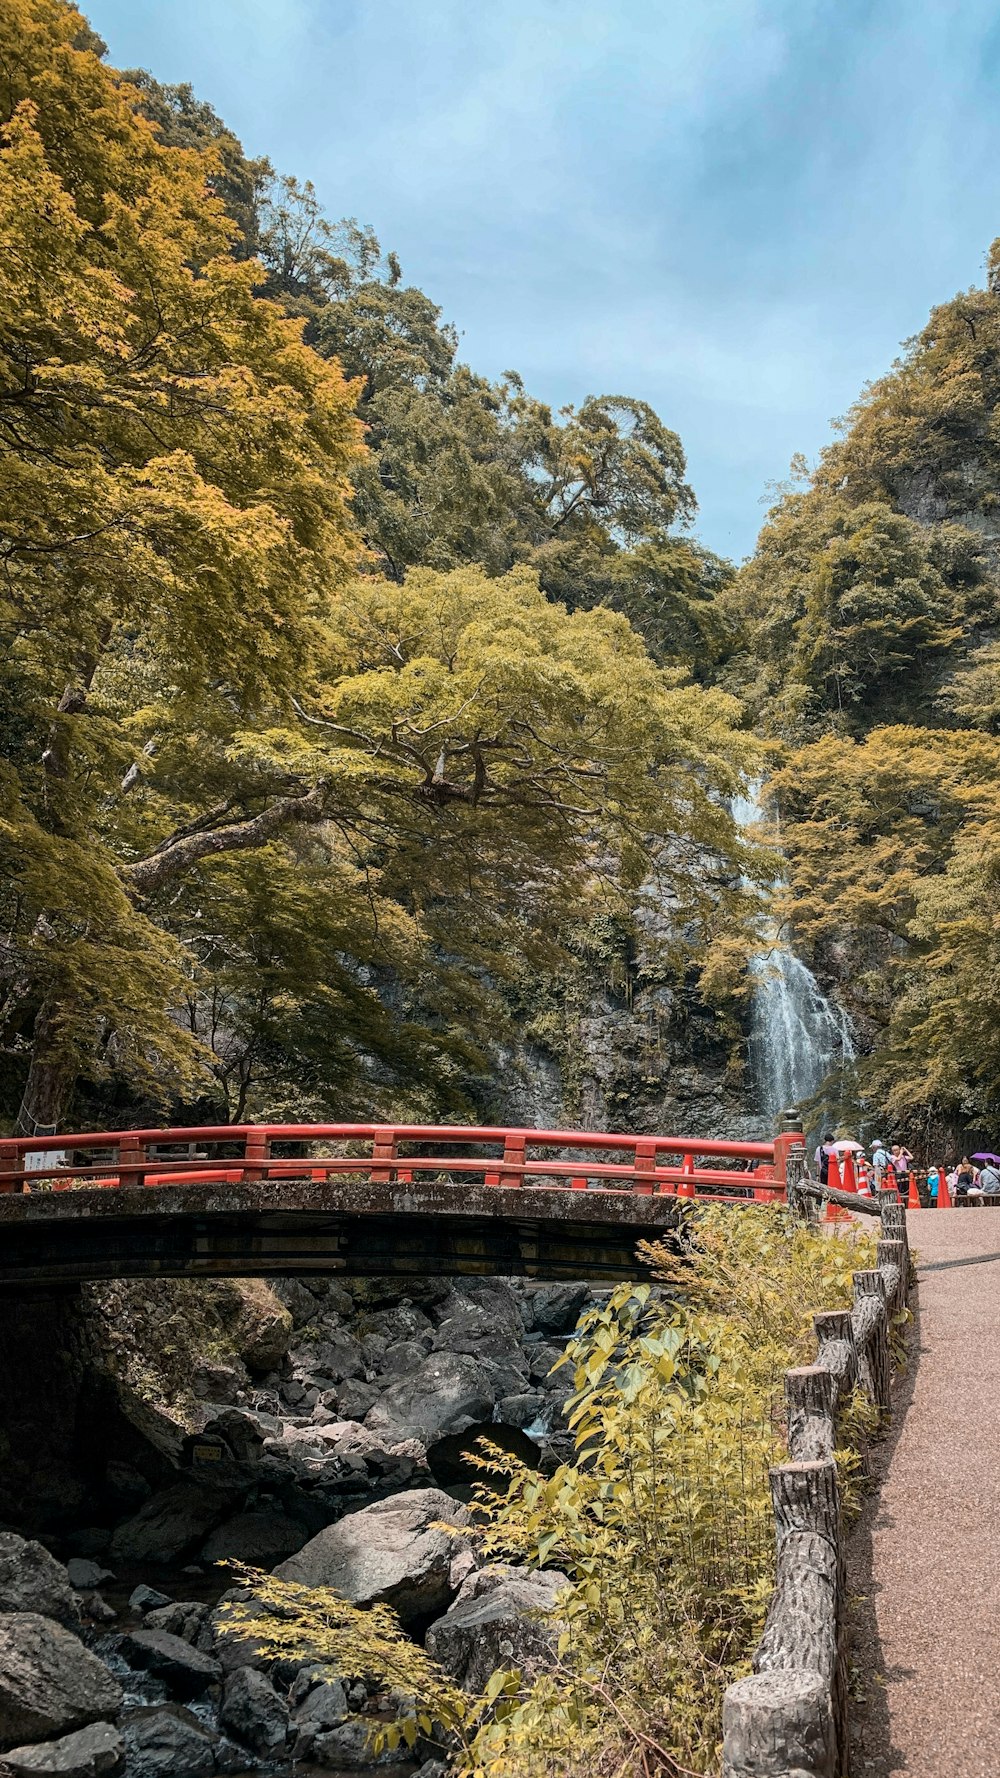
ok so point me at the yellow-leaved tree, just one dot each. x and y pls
(272, 825)
(173, 478)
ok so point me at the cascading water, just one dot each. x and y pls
(797, 1035)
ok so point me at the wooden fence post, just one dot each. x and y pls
(871, 1333)
(809, 1397)
(892, 1259)
(804, 1624)
(838, 1351)
(775, 1724)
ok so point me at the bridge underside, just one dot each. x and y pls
(352, 1226)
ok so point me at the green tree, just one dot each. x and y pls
(175, 467)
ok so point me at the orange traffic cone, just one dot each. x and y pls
(864, 1180)
(913, 1200)
(849, 1184)
(943, 1194)
(686, 1188)
(833, 1212)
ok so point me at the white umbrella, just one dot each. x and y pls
(842, 1147)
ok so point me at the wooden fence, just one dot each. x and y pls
(790, 1716)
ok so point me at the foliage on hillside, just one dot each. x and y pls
(662, 1521)
(278, 808)
(871, 615)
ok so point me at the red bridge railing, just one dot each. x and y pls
(574, 1160)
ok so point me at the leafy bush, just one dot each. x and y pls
(662, 1520)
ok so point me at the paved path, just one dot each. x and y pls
(936, 1530)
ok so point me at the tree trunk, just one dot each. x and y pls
(50, 1080)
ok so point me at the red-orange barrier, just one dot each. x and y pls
(645, 1164)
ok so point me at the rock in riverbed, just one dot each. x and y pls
(390, 1552)
(89, 1753)
(49, 1683)
(32, 1580)
(501, 1618)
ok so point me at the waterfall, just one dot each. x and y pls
(797, 1035)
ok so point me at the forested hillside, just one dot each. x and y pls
(354, 708)
(370, 728)
(872, 623)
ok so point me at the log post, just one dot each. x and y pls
(774, 1724)
(871, 1333)
(809, 1393)
(893, 1216)
(892, 1262)
(837, 1350)
(805, 1498)
(804, 1627)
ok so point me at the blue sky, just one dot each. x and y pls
(735, 209)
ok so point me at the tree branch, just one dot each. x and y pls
(178, 855)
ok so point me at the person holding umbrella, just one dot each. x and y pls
(989, 1173)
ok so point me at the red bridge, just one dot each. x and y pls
(359, 1199)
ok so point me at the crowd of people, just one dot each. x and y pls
(893, 1163)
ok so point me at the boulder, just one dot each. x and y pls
(336, 1356)
(171, 1525)
(447, 1393)
(323, 1708)
(260, 1538)
(355, 1399)
(252, 1710)
(401, 1359)
(86, 1754)
(265, 1343)
(32, 1580)
(243, 1431)
(389, 1552)
(49, 1683)
(84, 1576)
(483, 1319)
(218, 1382)
(405, 1321)
(298, 1299)
(349, 1748)
(541, 1360)
(185, 1671)
(523, 1409)
(496, 1622)
(556, 1308)
(145, 1599)
(182, 1617)
(168, 1742)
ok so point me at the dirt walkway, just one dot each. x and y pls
(932, 1622)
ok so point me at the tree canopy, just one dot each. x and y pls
(871, 617)
(318, 715)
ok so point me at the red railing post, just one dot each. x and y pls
(9, 1164)
(131, 1162)
(383, 1150)
(513, 1154)
(256, 1150)
(645, 1164)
